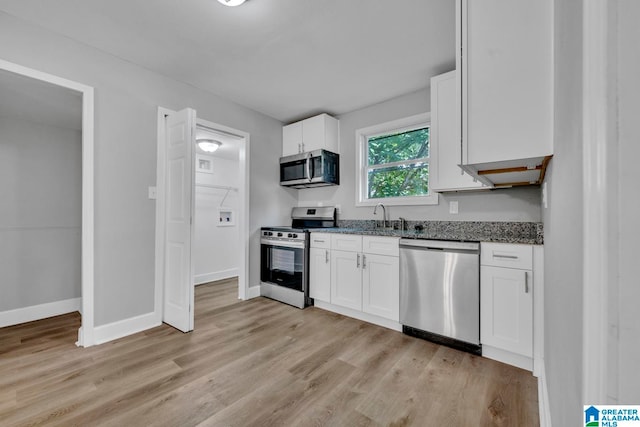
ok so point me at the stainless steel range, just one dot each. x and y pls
(284, 255)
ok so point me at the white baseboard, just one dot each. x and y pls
(40, 311)
(365, 317)
(216, 275)
(253, 292)
(123, 328)
(543, 398)
(507, 357)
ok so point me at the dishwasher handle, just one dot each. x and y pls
(443, 245)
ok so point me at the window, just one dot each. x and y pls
(393, 163)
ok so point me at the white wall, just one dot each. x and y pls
(518, 204)
(126, 102)
(563, 221)
(216, 247)
(40, 213)
(629, 201)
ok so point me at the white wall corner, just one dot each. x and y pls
(543, 398)
(126, 327)
(38, 312)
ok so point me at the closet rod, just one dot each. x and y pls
(221, 187)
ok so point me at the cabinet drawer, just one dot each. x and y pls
(346, 242)
(320, 240)
(381, 245)
(507, 255)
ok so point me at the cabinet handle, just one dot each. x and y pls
(505, 256)
(326, 256)
(303, 147)
(299, 148)
(357, 260)
(318, 241)
(526, 283)
(364, 261)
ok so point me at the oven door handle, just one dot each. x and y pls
(283, 243)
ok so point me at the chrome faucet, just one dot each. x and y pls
(403, 223)
(384, 214)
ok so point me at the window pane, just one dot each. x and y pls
(399, 181)
(398, 147)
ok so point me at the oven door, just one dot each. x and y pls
(282, 263)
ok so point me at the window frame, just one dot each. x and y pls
(362, 161)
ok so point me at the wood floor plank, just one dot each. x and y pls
(253, 363)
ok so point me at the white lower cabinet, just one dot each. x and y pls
(320, 267)
(346, 279)
(357, 276)
(507, 310)
(507, 303)
(380, 286)
(320, 274)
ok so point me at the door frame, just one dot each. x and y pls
(86, 331)
(243, 210)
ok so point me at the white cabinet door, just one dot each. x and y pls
(315, 133)
(292, 139)
(320, 274)
(444, 145)
(346, 242)
(506, 60)
(506, 309)
(346, 279)
(381, 286)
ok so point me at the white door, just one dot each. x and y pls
(178, 273)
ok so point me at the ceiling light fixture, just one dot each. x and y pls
(208, 145)
(231, 2)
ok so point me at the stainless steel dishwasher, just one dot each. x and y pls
(440, 292)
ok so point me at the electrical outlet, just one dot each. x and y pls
(338, 209)
(453, 207)
(153, 193)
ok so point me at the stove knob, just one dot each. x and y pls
(293, 235)
(279, 234)
(289, 235)
(269, 233)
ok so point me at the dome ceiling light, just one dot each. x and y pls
(231, 2)
(209, 145)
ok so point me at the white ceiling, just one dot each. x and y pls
(288, 59)
(37, 101)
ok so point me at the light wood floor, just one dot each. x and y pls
(253, 363)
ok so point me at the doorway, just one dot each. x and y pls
(184, 171)
(47, 190)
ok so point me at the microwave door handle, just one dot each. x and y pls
(309, 167)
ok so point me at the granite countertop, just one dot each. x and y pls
(470, 231)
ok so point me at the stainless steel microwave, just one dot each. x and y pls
(313, 169)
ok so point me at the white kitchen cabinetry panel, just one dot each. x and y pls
(346, 242)
(380, 285)
(507, 255)
(320, 274)
(507, 309)
(292, 139)
(320, 240)
(314, 133)
(381, 245)
(445, 150)
(346, 279)
(505, 59)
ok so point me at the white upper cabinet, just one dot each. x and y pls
(445, 150)
(314, 133)
(505, 58)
